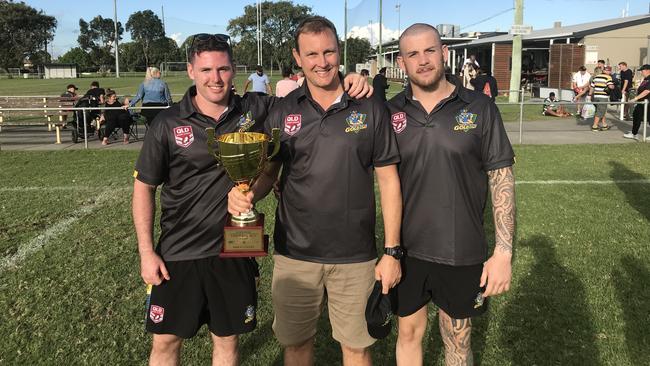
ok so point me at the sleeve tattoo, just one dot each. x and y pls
(502, 189)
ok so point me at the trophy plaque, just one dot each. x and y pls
(243, 155)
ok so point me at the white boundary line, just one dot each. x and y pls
(550, 182)
(34, 245)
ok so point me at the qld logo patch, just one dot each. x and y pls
(183, 136)
(156, 313)
(250, 314)
(292, 124)
(399, 121)
(466, 121)
(245, 122)
(356, 122)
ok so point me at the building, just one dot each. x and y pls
(551, 56)
(58, 71)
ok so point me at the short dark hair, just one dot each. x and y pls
(95, 84)
(110, 92)
(382, 70)
(551, 94)
(601, 61)
(315, 24)
(209, 43)
(259, 68)
(286, 72)
(582, 68)
(623, 63)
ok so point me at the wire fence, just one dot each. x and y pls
(522, 102)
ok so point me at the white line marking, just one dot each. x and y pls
(59, 188)
(548, 182)
(24, 251)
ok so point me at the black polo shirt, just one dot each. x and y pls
(194, 189)
(443, 172)
(326, 212)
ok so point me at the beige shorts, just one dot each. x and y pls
(299, 293)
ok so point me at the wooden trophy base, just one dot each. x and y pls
(244, 241)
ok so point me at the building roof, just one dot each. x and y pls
(571, 31)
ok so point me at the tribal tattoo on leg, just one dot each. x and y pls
(456, 335)
(502, 189)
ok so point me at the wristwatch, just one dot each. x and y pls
(396, 252)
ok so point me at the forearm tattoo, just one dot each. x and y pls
(456, 335)
(502, 189)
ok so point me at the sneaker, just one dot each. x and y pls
(630, 135)
(595, 129)
(605, 128)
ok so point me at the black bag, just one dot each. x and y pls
(615, 95)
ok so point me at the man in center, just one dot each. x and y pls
(325, 250)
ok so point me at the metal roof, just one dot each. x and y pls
(571, 31)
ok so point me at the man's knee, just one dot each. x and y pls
(166, 343)
(227, 344)
(409, 332)
(301, 346)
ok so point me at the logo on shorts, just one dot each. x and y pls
(292, 124)
(356, 122)
(465, 121)
(156, 313)
(478, 301)
(389, 316)
(399, 121)
(245, 122)
(183, 136)
(250, 314)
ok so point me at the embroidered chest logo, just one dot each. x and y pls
(245, 122)
(292, 124)
(399, 121)
(356, 122)
(183, 136)
(466, 121)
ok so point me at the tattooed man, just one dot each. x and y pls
(453, 147)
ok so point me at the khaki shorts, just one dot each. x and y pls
(299, 294)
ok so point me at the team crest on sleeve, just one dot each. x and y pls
(356, 122)
(156, 313)
(183, 136)
(466, 121)
(245, 122)
(399, 121)
(292, 124)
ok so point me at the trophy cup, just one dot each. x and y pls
(243, 156)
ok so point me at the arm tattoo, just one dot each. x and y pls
(502, 189)
(456, 335)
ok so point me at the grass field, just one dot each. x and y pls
(127, 86)
(71, 294)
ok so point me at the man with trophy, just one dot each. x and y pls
(190, 282)
(324, 237)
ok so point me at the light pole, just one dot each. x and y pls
(345, 37)
(117, 46)
(398, 6)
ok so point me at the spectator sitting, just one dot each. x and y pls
(260, 80)
(485, 83)
(95, 97)
(114, 118)
(153, 92)
(550, 109)
(286, 85)
(70, 92)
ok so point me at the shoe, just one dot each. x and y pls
(605, 128)
(630, 135)
(595, 129)
(105, 141)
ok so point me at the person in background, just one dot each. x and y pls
(485, 83)
(260, 80)
(301, 77)
(114, 118)
(550, 109)
(600, 88)
(153, 92)
(365, 73)
(580, 85)
(380, 84)
(286, 85)
(641, 95)
(70, 91)
(626, 76)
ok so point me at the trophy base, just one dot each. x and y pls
(244, 241)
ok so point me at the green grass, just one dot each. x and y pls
(580, 279)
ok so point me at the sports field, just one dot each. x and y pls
(71, 293)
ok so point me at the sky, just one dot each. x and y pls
(184, 18)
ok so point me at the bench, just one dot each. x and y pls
(37, 117)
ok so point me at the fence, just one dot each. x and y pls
(521, 105)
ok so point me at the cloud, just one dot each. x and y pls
(177, 38)
(371, 33)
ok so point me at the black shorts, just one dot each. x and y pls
(219, 292)
(453, 289)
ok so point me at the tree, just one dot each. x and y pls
(131, 57)
(146, 28)
(359, 50)
(24, 33)
(98, 39)
(76, 56)
(280, 21)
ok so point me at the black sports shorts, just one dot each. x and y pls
(219, 292)
(453, 289)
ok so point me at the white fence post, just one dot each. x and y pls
(521, 115)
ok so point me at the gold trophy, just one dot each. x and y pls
(243, 156)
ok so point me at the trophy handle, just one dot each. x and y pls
(275, 140)
(212, 141)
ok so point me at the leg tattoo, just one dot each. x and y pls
(456, 335)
